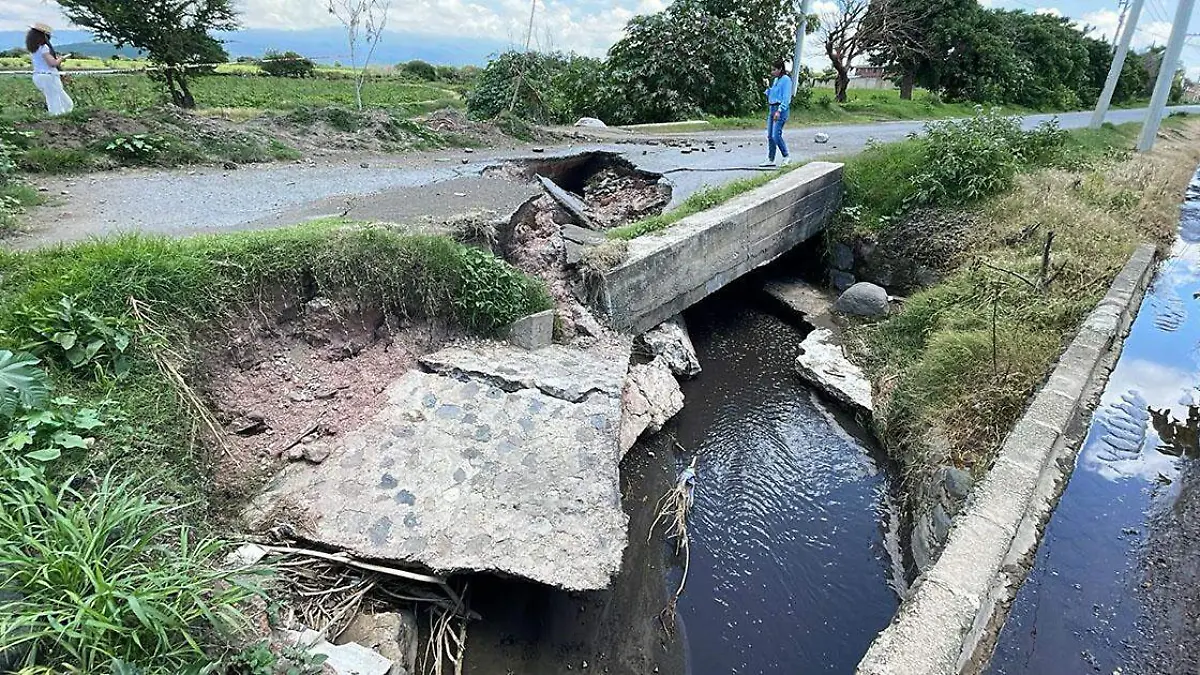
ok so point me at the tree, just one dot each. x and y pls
(365, 21)
(420, 70)
(173, 33)
(287, 64)
(901, 37)
(845, 40)
(685, 61)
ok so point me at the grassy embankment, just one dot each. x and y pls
(956, 366)
(119, 419)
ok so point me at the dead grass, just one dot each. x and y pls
(957, 365)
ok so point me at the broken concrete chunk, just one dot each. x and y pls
(821, 138)
(573, 205)
(590, 122)
(532, 332)
(806, 302)
(652, 397)
(455, 475)
(823, 364)
(392, 634)
(561, 372)
(347, 659)
(670, 342)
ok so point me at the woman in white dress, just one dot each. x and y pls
(46, 75)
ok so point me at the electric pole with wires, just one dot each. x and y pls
(1123, 6)
(524, 57)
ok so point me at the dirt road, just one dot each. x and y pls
(406, 188)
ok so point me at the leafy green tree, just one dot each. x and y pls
(420, 70)
(540, 87)
(173, 33)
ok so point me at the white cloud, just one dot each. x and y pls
(1048, 11)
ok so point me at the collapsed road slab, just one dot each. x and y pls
(458, 474)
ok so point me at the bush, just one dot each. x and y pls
(420, 70)
(287, 64)
(136, 149)
(549, 88)
(75, 338)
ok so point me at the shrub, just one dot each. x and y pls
(76, 338)
(548, 88)
(420, 70)
(22, 383)
(287, 64)
(137, 149)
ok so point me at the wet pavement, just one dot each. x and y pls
(1088, 605)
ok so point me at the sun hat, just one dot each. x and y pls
(45, 28)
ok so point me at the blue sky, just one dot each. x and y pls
(589, 26)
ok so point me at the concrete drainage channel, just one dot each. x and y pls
(950, 622)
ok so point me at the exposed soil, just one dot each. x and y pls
(615, 196)
(1172, 580)
(76, 133)
(917, 252)
(292, 371)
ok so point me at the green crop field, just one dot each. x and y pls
(134, 93)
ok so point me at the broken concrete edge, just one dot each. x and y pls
(666, 273)
(532, 332)
(952, 618)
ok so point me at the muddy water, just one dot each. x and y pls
(790, 566)
(1085, 607)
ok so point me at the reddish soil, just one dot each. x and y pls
(319, 369)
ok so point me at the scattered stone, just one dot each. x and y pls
(823, 364)
(670, 342)
(468, 150)
(582, 235)
(458, 475)
(392, 634)
(821, 138)
(65, 193)
(230, 166)
(365, 165)
(346, 659)
(652, 397)
(532, 332)
(957, 482)
(315, 452)
(842, 257)
(841, 280)
(585, 321)
(539, 150)
(863, 299)
(808, 303)
(465, 160)
(590, 122)
(43, 188)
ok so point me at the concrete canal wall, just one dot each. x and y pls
(667, 272)
(948, 624)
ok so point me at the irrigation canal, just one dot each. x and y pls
(1091, 603)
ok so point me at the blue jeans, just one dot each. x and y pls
(775, 133)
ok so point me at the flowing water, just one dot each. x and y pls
(792, 557)
(1083, 608)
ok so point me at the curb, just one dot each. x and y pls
(949, 623)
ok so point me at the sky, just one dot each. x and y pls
(591, 26)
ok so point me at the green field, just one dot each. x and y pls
(135, 93)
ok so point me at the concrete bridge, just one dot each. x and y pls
(667, 272)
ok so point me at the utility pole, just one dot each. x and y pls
(1124, 6)
(1166, 75)
(1118, 64)
(798, 56)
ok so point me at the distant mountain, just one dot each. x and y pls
(327, 45)
(97, 50)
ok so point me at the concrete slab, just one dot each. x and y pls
(810, 304)
(925, 637)
(557, 371)
(532, 332)
(460, 475)
(823, 364)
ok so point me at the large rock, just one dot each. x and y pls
(806, 302)
(863, 299)
(392, 634)
(823, 364)
(670, 342)
(652, 397)
(457, 473)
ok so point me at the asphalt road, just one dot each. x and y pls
(410, 188)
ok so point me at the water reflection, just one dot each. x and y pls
(1178, 439)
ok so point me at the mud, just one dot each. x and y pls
(1172, 580)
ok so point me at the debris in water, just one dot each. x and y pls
(673, 510)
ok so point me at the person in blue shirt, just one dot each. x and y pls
(779, 96)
